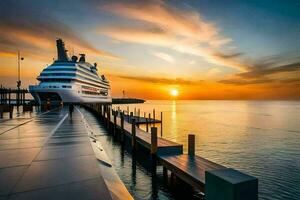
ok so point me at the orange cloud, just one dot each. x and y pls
(181, 30)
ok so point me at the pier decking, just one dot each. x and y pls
(51, 157)
(189, 168)
(216, 181)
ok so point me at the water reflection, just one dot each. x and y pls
(139, 172)
(261, 138)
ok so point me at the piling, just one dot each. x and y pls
(122, 127)
(191, 145)
(11, 110)
(161, 124)
(153, 117)
(115, 122)
(153, 140)
(130, 117)
(133, 134)
(147, 124)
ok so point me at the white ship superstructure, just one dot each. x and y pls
(71, 81)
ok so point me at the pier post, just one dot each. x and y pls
(127, 110)
(147, 125)
(230, 184)
(153, 117)
(149, 116)
(11, 109)
(130, 117)
(108, 118)
(115, 122)
(9, 94)
(153, 140)
(1, 111)
(191, 145)
(133, 134)
(161, 124)
(122, 127)
(165, 173)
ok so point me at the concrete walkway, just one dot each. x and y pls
(49, 157)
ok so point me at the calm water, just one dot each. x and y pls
(261, 138)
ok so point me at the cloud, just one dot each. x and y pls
(267, 70)
(164, 56)
(235, 81)
(157, 23)
(33, 31)
(176, 81)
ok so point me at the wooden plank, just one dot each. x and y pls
(191, 169)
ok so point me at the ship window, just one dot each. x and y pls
(66, 86)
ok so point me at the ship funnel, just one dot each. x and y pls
(82, 57)
(62, 55)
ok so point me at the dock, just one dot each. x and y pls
(54, 156)
(214, 180)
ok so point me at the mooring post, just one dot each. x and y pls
(161, 124)
(147, 125)
(153, 117)
(11, 109)
(130, 117)
(149, 116)
(1, 111)
(134, 111)
(127, 110)
(133, 134)
(9, 96)
(122, 127)
(115, 122)
(165, 173)
(108, 118)
(153, 140)
(191, 145)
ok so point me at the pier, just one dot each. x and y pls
(56, 156)
(214, 180)
(10, 96)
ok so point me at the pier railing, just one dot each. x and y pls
(216, 181)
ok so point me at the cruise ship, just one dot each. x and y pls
(71, 81)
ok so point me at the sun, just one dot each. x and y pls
(174, 92)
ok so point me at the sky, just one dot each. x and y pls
(204, 49)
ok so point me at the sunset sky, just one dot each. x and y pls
(205, 49)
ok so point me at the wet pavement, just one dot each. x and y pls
(49, 156)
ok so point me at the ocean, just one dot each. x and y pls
(260, 138)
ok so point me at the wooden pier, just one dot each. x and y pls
(216, 181)
(13, 96)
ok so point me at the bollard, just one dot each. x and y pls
(153, 140)
(230, 184)
(133, 134)
(191, 145)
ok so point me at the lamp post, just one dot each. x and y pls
(19, 80)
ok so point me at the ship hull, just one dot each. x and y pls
(63, 95)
